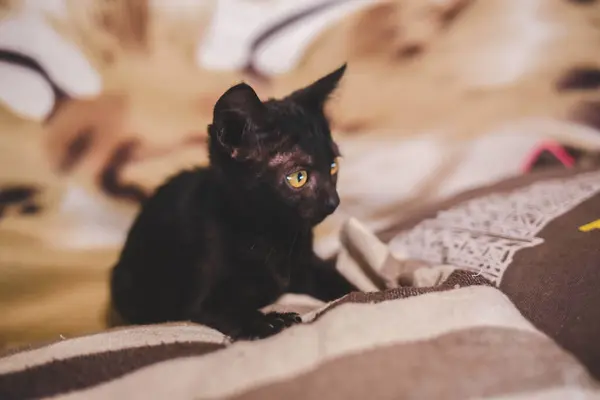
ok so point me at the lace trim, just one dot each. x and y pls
(484, 234)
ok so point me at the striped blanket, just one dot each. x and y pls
(450, 334)
(462, 340)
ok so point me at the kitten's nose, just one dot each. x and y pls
(332, 203)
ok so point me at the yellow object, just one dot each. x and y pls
(591, 226)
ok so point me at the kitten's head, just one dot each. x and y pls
(278, 156)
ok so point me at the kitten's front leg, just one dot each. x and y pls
(321, 279)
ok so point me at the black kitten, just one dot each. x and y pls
(216, 244)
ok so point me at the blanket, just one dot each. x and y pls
(453, 306)
(451, 335)
(476, 344)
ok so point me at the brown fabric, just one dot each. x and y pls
(554, 282)
(557, 284)
(63, 376)
(457, 279)
(464, 364)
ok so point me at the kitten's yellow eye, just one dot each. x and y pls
(297, 179)
(335, 166)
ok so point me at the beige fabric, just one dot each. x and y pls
(118, 339)
(406, 376)
(370, 264)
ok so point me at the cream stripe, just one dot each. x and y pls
(350, 328)
(107, 341)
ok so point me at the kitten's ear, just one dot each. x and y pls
(238, 110)
(316, 94)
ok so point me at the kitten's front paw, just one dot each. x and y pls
(287, 319)
(267, 325)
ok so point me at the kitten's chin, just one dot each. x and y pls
(316, 220)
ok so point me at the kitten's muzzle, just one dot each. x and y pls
(332, 203)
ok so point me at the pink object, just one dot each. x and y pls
(553, 147)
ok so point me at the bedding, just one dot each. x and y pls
(352, 351)
(451, 307)
(535, 237)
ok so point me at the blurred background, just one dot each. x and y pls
(101, 100)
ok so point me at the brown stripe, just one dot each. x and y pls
(61, 376)
(289, 21)
(15, 194)
(110, 179)
(580, 78)
(463, 364)
(76, 149)
(457, 279)
(25, 61)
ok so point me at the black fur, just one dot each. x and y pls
(214, 245)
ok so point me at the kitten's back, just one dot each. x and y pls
(169, 234)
